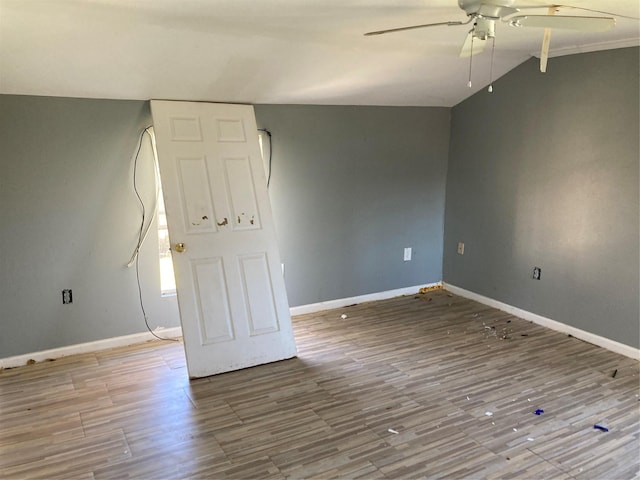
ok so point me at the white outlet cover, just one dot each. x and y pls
(407, 254)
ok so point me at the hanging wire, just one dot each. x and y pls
(143, 233)
(135, 259)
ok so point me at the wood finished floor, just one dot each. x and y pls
(427, 369)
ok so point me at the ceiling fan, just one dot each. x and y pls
(485, 13)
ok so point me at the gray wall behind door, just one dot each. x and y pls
(350, 188)
(544, 172)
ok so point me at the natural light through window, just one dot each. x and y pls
(167, 279)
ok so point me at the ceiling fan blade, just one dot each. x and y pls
(544, 51)
(478, 46)
(413, 27)
(601, 12)
(546, 41)
(583, 24)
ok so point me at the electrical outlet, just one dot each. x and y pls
(460, 248)
(407, 254)
(67, 296)
(537, 273)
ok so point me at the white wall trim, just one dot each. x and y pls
(175, 332)
(371, 297)
(19, 360)
(603, 342)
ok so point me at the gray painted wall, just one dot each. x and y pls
(350, 188)
(69, 219)
(544, 172)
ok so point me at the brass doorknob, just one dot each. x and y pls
(180, 247)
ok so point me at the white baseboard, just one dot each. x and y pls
(19, 360)
(175, 332)
(603, 342)
(371, 297)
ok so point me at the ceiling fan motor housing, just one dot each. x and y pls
(484, 28)
(494, 9)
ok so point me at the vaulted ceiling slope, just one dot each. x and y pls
(271, 51)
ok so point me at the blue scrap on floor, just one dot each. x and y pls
(539, 411)
(600, 427)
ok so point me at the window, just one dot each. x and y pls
(264, 140)
(167, 279)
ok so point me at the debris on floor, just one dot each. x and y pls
(492, 331)
(539, 411)
(615, 372)
(600, 427)
(343, 316)
(391, 430)
(430, 288)
(489, 414)
(506, 333)
(424, 299)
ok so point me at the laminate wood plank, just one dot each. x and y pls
(400, 388)
(75, 457)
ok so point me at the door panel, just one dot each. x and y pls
(242, 197)
(197, 203)
(258, 290)
(185, 129)
(233, 305)
(214, 313)
(231, 130)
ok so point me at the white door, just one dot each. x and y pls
(233, 304)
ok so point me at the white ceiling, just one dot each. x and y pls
(268, 51)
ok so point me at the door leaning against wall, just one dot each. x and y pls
(233, 304)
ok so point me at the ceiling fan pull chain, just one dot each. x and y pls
(471, 56)
(493, 48)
